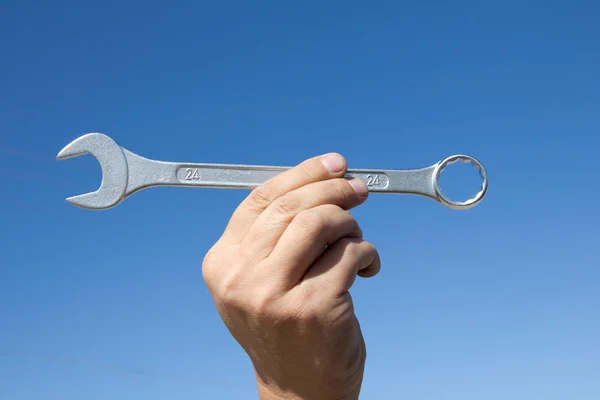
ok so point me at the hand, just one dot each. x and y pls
(280, 276)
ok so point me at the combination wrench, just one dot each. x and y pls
(125, 173)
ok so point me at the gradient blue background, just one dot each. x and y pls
(499, 302)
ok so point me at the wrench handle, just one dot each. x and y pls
(416, 181)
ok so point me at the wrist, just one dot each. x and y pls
(324, 388)
(267, 392)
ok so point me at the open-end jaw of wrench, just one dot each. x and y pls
(125, 173)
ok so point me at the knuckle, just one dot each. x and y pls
(262, 196)
(350, 243)
(308, 308)
(370, 247)
(340, 188)
(344, 216)
(228, 289)
(306, 168)
(287, 206)
(353, 247)
(262, 302)
(309, 312)
(209, 263)
(365, 251)
(368, 256)
(210, 258)
(342, 219)
(311, 221)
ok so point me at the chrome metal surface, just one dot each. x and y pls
(125, 173)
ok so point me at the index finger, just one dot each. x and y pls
(327, 166)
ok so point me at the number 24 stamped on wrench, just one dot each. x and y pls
(125, 173)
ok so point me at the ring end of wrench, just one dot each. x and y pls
(460, 205)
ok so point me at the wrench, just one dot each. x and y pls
(125, 173)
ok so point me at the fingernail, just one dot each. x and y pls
(333, 162)
(359, 187)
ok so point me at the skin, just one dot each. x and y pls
(280, 277)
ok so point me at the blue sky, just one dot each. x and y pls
(498, 302)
